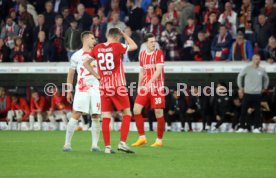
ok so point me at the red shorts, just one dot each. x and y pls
(156, 99)
(111, 98)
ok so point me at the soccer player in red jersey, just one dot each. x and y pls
(19, 111)
(37, 104)
(150, 90)
(113, 84)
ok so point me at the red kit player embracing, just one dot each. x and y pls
(113, 84)
(150, 90)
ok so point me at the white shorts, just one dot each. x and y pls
(87, 102)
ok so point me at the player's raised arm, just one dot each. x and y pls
(132, 45)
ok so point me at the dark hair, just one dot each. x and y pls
(85, 33)
(58, 17)
(169, 23)
(63, 8)
(147, 36)
(222, 25)
(114, 32)
(96, 16)
(132, 1)
(24, 5)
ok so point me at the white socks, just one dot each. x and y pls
(71, 126)
(31, 121)
(95, 131)
(39, 120)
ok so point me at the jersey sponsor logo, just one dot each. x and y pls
(149, 66)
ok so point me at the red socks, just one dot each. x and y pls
(139, 120)
(125, 127)
(106, 131)
(160, 127)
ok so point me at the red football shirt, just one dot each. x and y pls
(35, 105)
(21, 105)
(148, 62)
(109, 63)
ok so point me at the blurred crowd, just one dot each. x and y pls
(186, 30)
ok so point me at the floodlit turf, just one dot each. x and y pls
(39, 154)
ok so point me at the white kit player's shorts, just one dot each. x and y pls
(88, 102)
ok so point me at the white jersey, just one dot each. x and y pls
(86, 80)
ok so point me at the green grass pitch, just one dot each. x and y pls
(39, 154)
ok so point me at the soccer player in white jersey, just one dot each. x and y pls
(87, 95)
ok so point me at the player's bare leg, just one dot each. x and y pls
(95, 131)
(31, 121)
(106, 117)
(159, 114)
(71, 126)
(139, 120)
(124, 131)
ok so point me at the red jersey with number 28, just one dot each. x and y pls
(148, 62)
(110, 67)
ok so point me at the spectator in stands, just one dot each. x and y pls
(56, 37)
(131, 55)
(5, 6)
(26, 33)
(177, 109)
(155, 28)
(135, 16)
(157, 8)
(72, 39)
(5, 103)
(40, 27)
(241, 49)
(187, 11)
(25, 16)
(211, 8)
(245, 13)
(67, 17)
(189, 35)
(229, 19)
(249, 34)
(4, 51)
(19, 111)
(169, 39)
(99, 29)
(212, 26)
(59, 109)
(101, 15)
(263, 32)
(49, 15)
(83, 18)
(171, 15)
(59, 4)
(202, 48)
(149, 15)
(9, 31)
(252, 92)
(115, 8)
(270, 52)
(13, 15)
(37, 104)
(221, 43)
(42, 50)
(224, 107)
(267, 10)
(18, 53)
(116, 23)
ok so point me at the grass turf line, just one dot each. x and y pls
(39, 154)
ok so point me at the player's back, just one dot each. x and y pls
(109, 62)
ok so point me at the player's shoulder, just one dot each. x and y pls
(77, 54)
(159, 51)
